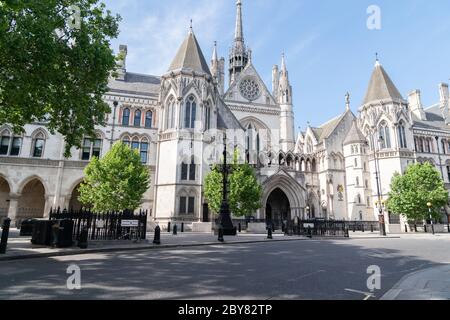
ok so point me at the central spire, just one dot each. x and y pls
(239, 33)
(239, 56)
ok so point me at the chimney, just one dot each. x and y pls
(122, 63)
(443, 99)
(275, 81)
(415, 104)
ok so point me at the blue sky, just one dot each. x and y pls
(329, 49)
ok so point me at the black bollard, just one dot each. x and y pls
(425, 228)
(309, 232)
(371, 228)
(5, 235)
(347, 235)
(362, 226)
(354, 228)
(182, 227)
(157, 239)
(175, 230)
(240, 227)
(406, 228)
(83, 242)
(220, 239)
(168, 227)
(269, 233)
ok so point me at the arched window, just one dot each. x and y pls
(207, 116)
(135, 144)
(190, 113)
(148, 119)
(385, 136)
(38, 145)
(144, 150)
(356, 162)
(126, 140)
(187, 205)
(126, 117)
(402, 135)
(137, 118)
(170, 115)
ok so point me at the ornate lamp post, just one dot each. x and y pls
(225, 223)
(430, 205)
(380, 201)
(308, 212)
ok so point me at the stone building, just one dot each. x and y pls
(176, 121)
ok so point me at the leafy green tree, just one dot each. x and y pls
(55, 61)
(116, 182)
(410, 193)
(244, 189)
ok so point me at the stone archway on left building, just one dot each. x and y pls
(32, 200)
(5, 191)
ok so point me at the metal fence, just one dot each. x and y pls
(125, 225)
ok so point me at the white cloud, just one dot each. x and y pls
(154, 39)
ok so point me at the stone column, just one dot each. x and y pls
(49, 201)
(13, 207)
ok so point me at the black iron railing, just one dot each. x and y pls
(105, 226)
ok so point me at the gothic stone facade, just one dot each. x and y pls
(176, 121)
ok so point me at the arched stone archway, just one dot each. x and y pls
(292, 189)
(278, 208)
(32, 200)
(74, 203)
(4, 198)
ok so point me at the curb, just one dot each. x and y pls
(125, 249)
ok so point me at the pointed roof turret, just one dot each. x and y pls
(381, 86)
(239, 33)
(189, 56)
(354, 135)
(214, 55)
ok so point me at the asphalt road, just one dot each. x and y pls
(335, 269)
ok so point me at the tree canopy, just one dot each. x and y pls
(116, 182)
(244, 189)
(410, 193)
(55, 61)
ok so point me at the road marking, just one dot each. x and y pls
(368, 295)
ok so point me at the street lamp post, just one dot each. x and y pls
(307, 212)
(429, 204)
(225, 222)
(113, 128)
(380, 201)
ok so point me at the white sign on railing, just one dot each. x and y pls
(130, 223)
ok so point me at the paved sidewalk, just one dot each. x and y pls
(21, 247)
(428, 284)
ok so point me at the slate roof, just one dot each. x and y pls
(354, 135)
(325, 130)
(190, 57)
(434, 120)
(136, 84)
(381, 87)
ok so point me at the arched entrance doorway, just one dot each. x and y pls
(32, 201)
(278, 208)
(4, 198)
(74, 203)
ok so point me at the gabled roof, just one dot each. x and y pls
(190, 57)
(354, 135)
(434, 120)
(325, 130)
(381, 86)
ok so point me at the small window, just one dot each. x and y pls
(207, 117)
(137, 118)
(191, 205)
(15, 147)
(91, 148)
(182, 205)
(126, 117)
(4, 145)
(38, 146)
(190, 113)
(148, 119)
(135, 144)
(144, 152)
